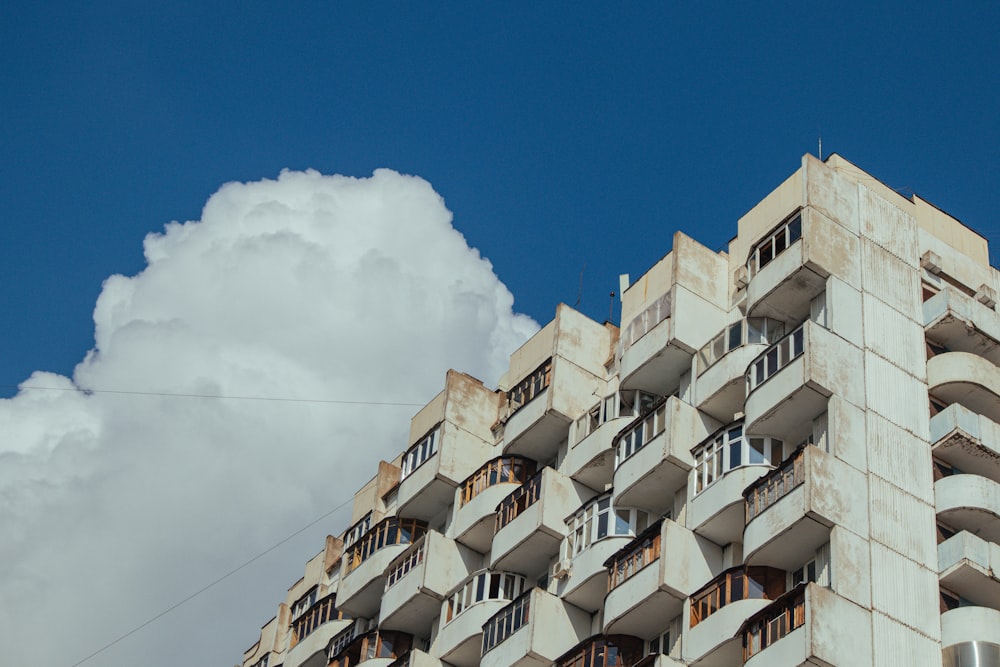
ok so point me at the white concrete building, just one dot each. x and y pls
(788, 454)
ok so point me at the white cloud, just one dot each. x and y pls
(115, 506)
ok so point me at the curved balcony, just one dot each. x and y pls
(377, 648)
(790, 510)
(595, 532)
(592, 460)
(363, 565)
(476, 499)
(969, 502)
(969, 566)
(789, 383)
(961, 377)
(725, 465)
(720, 388)
(604, 651)
(809, 625)
(654, 456)
(530, 522)
(647, 585)
(416, 658)
(958, 322)
(532, 631)
(435, 466)
(418, 581)
(970, 636)
(467, 608)
(789, 266)
(719, 609)
(311, 631)
(967, 441)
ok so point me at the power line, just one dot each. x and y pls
(210, 585)
(87, 392)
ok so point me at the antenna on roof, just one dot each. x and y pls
(821, 147)
(579, 293)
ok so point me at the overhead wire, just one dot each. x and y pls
(206, 587)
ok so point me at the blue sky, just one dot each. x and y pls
(565, 138)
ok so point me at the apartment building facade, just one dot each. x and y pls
(788, 454)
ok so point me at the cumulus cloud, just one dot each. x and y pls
(113, 506)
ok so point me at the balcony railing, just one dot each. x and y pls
(752, 330)
(775, 243)
(750, 583)
(502, 470)
(530, 387)
(402, 566)
(480, 587)
(728, 449)
(775, 485)
(776, 357)
(507, 621)
(634, 556)
(387, 532)
(521, 499)
(645, 321)
(370, 646)
(321, 612)
(603, 651)
(416, 455)
(636, 435)
(773, 622)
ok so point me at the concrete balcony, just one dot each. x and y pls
(962, 377)
(719, 609)
(428, 489)
(585, 582)
(531, 521)
(721, 389)
(362, 579)
(967, 441)
(797, 267)
(466, 609)
(476, 499)
(416, 658)
(971, 503)
(604, 651)
(962, 324)
(418, 581)
(532, 631)
(970, 636)
(376, 648)
(790, 510)
(551, 381)
(310, 651)
(592, 460)
(789, 384)
(717, 512)
(969, 566)
(649, 585)
(651, 471)
(810, 625)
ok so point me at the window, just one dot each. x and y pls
(506, 622)
(482, 585)
(402, 566)
(603, 651)
(263, 661)
(355, 532)
(598, 519)
(308, 619)
(590, 421)
(636, 555)
(645, 321)
(370, 646)
(387, 532)
(749, 331)
(304, 602)
(640, 432)
(530, 387)
(521, 499)
(740, 583)
(775, 243)
(729, 449)
(775, 485)
(425, 448)
(775, 358)
(774, 622)
(502, 470)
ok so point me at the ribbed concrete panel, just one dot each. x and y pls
(894, 337)
(897, 396)
(891, 280)
(899, 457)
(897, 645)
(905, 591)
(889, 226)
(893, 515)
